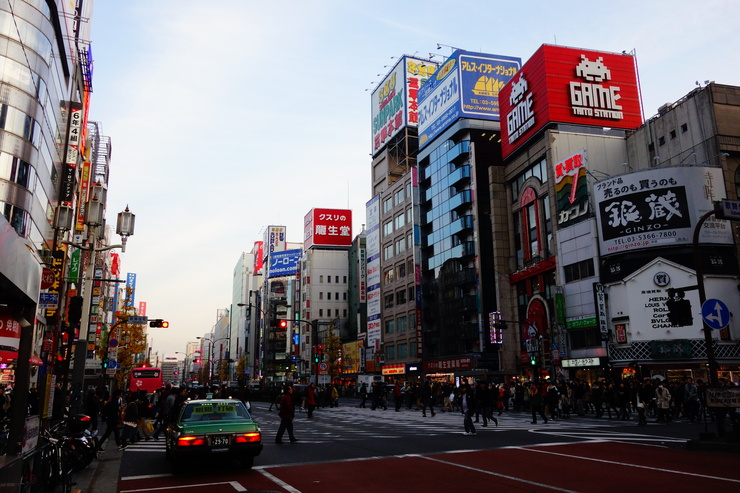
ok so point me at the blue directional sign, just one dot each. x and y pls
(715, 314)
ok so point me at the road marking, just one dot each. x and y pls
(277, 481)
(491, 473)
(234, 484)
(627, 464)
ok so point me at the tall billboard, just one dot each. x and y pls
(283, 263)
(274, 240)
(466, 86)
(658, 208)
(571, 189)
(395, 101)
(569, 85)
(327, 227)
(373, 277)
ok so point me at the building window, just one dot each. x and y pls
(336, 279)
(398, 197)
(390, 353)
(401, 297)
(344, 279)
(410, 240)
(336, 312)
(344, 296)
(661, 141)
(401, 324)
(399, 221)
(402, 351)
(321, 295)
(344, 313)
(321, 312)
(390, 326)
(412, 296)
(579, 270)
(389, 276)
(389, 300)
(321, 279)
(388, 205)
(328, 279)
(673, 134)
(400, 246)
(586, 337)
(401, 270)
(388, 228)
(409, 216)
(684, 128)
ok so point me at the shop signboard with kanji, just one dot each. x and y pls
(659, 207)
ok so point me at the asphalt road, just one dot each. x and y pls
(349, 447)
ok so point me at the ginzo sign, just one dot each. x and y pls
(569, 85)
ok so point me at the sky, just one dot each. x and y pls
(231, 115)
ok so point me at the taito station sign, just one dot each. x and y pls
(569, 85)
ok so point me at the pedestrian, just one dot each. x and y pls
(467, 406)
(624, 398)
(334, 396)
(426, 399)
(311, 400)
(397, 395)
(92, 408)
(111, 414)
(130, 422)
(275, 401)
(166, 409)
(363, 394)
(286, 413)
(691, 399)
(663, 403)
(536, 403)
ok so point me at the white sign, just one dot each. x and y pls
(580, 362)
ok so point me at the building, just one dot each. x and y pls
(460, 184)
(602, 224)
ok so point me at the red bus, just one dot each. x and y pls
(145, 378)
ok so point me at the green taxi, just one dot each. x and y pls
(215, 428)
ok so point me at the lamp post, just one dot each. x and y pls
(94, 220)
(210, 358)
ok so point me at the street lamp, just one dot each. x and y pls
(210, 358)
(94, 220)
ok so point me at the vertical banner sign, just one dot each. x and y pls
(600, 300)
(362, 267)
(84, 190)
(73, 139)
(74, 266)
(142, 308)
(560, 320)
(571, 189)
(130, 285)
(373, 277)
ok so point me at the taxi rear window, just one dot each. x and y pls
(214, 411)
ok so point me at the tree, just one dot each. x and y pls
(333, 354)
(241, 370)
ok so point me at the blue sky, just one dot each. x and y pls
(228, 116)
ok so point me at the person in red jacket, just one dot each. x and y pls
(286, 413)
(311, 400)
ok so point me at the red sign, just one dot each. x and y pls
(47, 278)
(10, 330)
(569, 85)
(327, 227)
(463, 363)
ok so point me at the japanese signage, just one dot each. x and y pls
(393, 369)
(569, 85)
(658, 207)
(581, 362)
(74, 136)
(723, 397)
(259, 258)
(395, 100)
(448, 364)
(600, 302)
(362, 276)
(352, 357)
(130, 285)
(373, 277)
(283, 263)
(275, 239)
(533, 329)
(327, 227)
(496, 332)
(571, 189)
(467, 85)
(142, 308)
(10, 329)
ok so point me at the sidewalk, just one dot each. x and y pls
(102, 475)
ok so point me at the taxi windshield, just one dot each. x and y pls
(214, 411)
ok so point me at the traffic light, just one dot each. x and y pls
(165, 324)
(283, 324)
(158, 322)
(315, 354)
(533, 360)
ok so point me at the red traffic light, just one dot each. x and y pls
(283, 324)
(165, 324)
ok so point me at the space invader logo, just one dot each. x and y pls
(593, 98)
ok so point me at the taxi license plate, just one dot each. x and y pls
(220, 441)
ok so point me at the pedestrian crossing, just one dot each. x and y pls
(351, 423)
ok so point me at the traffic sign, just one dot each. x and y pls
(138, 320)
(113, 343)
(715, 314)
(729, 209)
